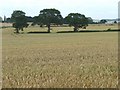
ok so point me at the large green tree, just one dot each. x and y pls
(77, 20)
(48, 17)
(19, 19)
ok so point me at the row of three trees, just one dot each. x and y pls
(48, 17)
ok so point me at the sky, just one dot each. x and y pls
(96, 9)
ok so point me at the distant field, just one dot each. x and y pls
(60, 60)
(5, 24)
(90, 26)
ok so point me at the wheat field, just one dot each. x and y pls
(59, 60)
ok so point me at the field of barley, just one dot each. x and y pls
(60, 60)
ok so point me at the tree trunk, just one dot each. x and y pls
(17, 30)
(21, 29)
(48, 28)
(75, 29)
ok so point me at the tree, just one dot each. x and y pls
(115, 22)
(35, 20)
(90, 20)
(48, 17)
(29, 19)
(103, 21)
(19, 19)
(77, 20)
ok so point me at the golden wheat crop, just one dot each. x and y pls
(60, 60)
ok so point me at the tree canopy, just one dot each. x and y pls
(19, 19)
(77, 20)
(48, 17)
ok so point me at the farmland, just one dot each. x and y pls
(59, 60)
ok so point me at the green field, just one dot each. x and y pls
(59, 60)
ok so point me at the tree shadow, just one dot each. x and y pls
(88, 31)
(83, 31)
(38, 32)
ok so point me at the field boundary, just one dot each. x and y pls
(85, 31)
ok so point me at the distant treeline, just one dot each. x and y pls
(31, 19)
(50, 17)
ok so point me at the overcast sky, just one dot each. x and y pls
(97, 9)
